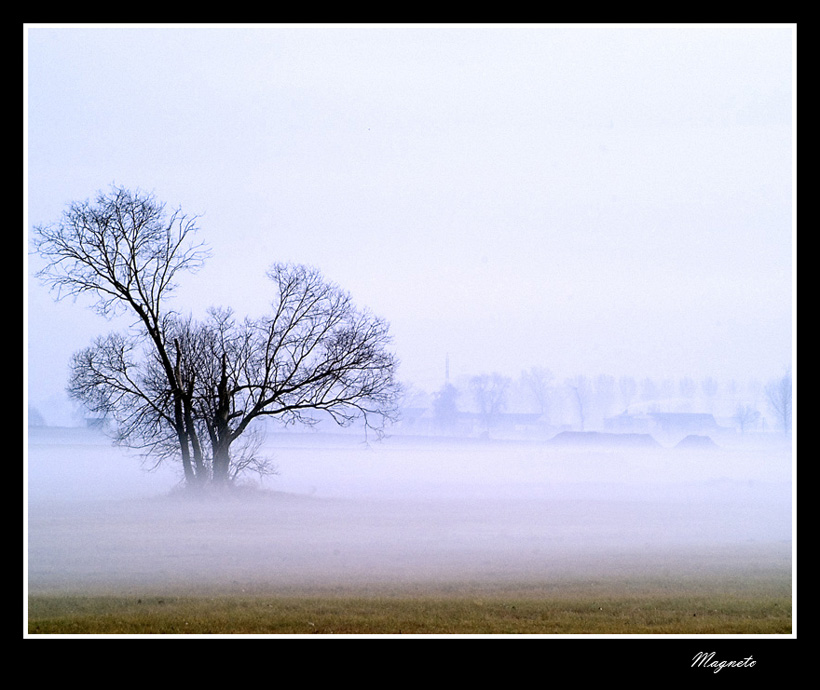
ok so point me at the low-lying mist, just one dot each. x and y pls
(408, 511)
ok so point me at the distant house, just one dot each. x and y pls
(662, 423)
(696, 442)
(603, 440)
(503, 422)
(625, 423)
(674, 423)
(411, 416)
(419, 421)
(519, 421)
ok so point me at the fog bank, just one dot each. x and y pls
(407, 511)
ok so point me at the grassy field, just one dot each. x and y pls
(708, 607)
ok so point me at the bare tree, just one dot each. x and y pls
(779, 397)
(538, 381)
(628, 388)
(125, 251)
(687, 387)
(579, 390)
(178, 387)
(604, 396)
(710, 387)
(746, 416)
(490, 395)
(649, 390)
(315, 354)
(120, 378)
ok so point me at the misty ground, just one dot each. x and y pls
(408, 513)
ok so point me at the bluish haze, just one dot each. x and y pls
(592, 199)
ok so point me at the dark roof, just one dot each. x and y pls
(597, 438)
(689, 420)
(695, 441)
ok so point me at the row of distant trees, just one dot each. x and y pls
(194, 390)
(588, 401)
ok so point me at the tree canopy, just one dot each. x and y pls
(178, 387)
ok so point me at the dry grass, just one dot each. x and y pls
(619, 608)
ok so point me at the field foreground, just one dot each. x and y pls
(712, 607)
(420, 539)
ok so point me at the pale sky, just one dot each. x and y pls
(587, 198)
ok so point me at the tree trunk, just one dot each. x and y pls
(222, 447)
(182, 437)
(199, 473)
(222, 464)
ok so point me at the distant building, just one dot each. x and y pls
(416, 419)
(504, 423)
(625, 423)
(583, 439)
(675, 423)
(662, 423)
